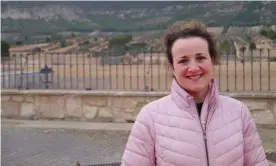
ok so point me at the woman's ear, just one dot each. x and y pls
(213, 59)
(170, 67)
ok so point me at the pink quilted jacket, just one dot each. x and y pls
(169, 132)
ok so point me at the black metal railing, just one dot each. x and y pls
(142, 71)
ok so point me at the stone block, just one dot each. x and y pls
(119, 115)
(10, 109)
(122, 102)
(105, 113)
(263, 117)
(18, 98)
(129, 110)
(255, 105)
(5, 98)
(152, 99)
(142, 99)
(29, 98)
(50, 106)
(119, 120)
(95, 100)
(89, 112)
(27, 110)
(139, 107)
(274, 109)
(73, 106)
(274, 112)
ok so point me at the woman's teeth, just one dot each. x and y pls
(194, 78)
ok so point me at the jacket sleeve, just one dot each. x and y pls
(254, 154)
(140, 147)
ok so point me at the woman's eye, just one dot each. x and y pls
(201, 58)
(183, 61)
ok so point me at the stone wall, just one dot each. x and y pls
(108, 106)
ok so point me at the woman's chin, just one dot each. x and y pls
(194, 89)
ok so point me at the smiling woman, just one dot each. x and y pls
(194, 124)
(191, 54)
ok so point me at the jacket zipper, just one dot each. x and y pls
(205, 141)
(204, 137)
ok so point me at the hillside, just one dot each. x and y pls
(46, 18)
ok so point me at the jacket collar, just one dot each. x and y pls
(184, 100)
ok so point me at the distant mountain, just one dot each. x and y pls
(33, 18)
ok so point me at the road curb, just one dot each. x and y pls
(66, 125)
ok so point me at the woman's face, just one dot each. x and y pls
(192, 64)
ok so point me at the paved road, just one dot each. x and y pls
(60, 147)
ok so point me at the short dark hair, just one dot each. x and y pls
(186, 30)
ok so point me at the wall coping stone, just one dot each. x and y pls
(265, 95)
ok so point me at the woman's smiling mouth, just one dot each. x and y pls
(195, 77)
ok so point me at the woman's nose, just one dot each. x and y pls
(193, 66)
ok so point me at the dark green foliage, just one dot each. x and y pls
(48, 39)
(18, 43)
(137, 47)
(4, 49)
(62, 43)
(225, 46)
(86, 42)
(120, 40)
(269, 33)
(252, 46)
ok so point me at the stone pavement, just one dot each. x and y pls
(61, 143)
(60, 147)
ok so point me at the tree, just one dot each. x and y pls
(225, 46)
(120, 40)
(242, 49)
(263, 32)
(269, 33)
(18, 43)
(137, 46)
(5, 49)
(48, 39)
(62, 43)
(252, 46)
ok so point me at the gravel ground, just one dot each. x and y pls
(33, 147)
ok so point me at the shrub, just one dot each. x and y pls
(5, 49)
(120, 40)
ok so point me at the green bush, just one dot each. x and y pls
(19, 43)
(252, 45)
(137, 47)
(225, 46)
(5, 49)
(269, 33)
(120, 40)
